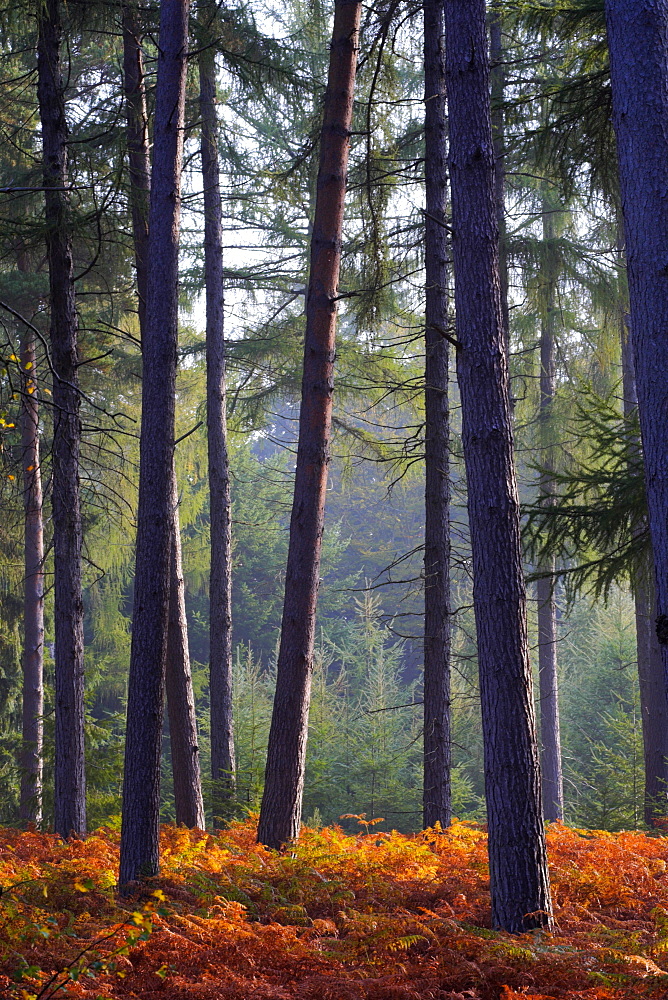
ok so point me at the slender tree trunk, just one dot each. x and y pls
(134, 84)
(70, 778)
(517, 856)
(141, 782)
(280, 815)
(498, 87)
(638, 46)
(553, 782)
(33, 600)
(653, 701)
(180, 697)
(220, 583)
(437, 806)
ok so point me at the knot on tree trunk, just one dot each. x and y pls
(662, 629)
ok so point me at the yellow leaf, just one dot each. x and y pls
(80, 887)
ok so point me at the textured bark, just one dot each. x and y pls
(280, 815)
(180, 698)
(220, 581)
(553, 782)
(188, 799)
(498, 86)
(141, 782)
(33, 599)
(134, 85)
(519, 879)
(653, 701)
(638, 44)
(69, 777)
(436, 802)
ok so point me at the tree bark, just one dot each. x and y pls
(70, 779)
(498, 86)
(134, 85)
(638, 45)
(30, 809)
(223, 765)
(653, 701)
(280, 814)
(553, 782)
(519, 878)
(437, 806)
(141, 782)
(188, 799)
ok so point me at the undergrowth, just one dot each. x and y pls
(378, 916)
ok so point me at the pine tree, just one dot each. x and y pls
(437, 631)
(280, 814)
(155, 516)
(70, 779)
(519, 878)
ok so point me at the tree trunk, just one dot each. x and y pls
(134, 85)
(180, 698)
(70, 778)
(141, 782)
(498, 86)
(280, 815)
(638, 44)
(553, 782)
(517, 856)
(653, 702)
(437, 807)
(33, 600)
(220, 581)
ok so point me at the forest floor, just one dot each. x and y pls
(379, 916)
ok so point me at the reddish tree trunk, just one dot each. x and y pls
(33, 600)
(436, 791)
(519, 879)
(220, 582)
(141, 782)
(70, 778)
(280, 815)
(180, 698)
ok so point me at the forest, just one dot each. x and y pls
(333, 499)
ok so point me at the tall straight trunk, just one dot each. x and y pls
(436, 801)
(280, 814)
(70, 778)
(498, 87)
(141, 781)
(188, 799)
(30, 809)
(553, 782)
(220, 581)
(519, 878)
(653, 701)
(638, 45)
(134, 85)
